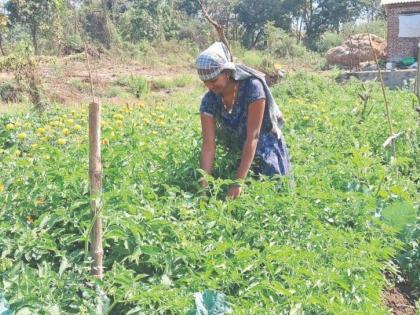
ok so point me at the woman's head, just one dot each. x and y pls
(219, 83)
(213, 61)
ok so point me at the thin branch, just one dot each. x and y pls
(90, 74)
(388, 115)
(217, 26)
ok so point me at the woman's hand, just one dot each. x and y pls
(234, 192)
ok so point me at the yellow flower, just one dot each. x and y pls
(40, 130)
(142, 104)
(61, 141)
(70, 121)
(118, 117)
(39, 201)
(1, 187)
(22, 136)
(77, 127)
(277, 66)
(105, 141)
(10, 126)
(66, 132)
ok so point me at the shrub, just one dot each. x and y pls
(327, 41)
(10, 92)
(137, 85)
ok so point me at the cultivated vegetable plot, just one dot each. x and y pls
(322, 246)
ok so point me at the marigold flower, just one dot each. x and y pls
(40, 130)
(61, 141)
(10, 126)
(118, 117)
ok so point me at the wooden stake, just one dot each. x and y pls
(95, 180)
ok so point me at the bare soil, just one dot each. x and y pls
(400, 300)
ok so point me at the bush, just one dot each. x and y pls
(10, 92)
(327, 41)
(137, 85)
(377, 27)
(282, 44)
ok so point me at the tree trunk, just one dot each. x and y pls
(1, 44)
(34, 33)
(257, 38)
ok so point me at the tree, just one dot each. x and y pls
(314, 17)
(3, 25)
(149, 20)
(254, 15)
(34, 14)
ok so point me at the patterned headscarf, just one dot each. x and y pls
(211, 62)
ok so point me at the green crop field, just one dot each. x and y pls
(322, 242)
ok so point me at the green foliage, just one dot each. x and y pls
(318, 248)
(179, 81)
(404, 218)
(35, 14)
(254, 15)
(399, 215)
(24, 68)
(9, 92)
(329, 40)
(137, 85)
(157, 19)
(281, 44)
(79, 85)
(377, 27)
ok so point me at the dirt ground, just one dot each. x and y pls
(400, 300)
(67, 81)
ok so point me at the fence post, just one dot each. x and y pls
(95, 178)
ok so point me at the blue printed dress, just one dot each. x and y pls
(271, 156)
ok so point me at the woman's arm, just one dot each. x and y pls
(255, 118)
(254, 122)
(208, 147)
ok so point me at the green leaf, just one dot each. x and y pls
(399, 214)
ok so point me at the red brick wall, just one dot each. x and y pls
(400, 47)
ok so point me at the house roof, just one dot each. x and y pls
(386, 2)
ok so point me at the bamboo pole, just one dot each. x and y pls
(95, 180)
(95, 176)
(387, 112)
(418, 74)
